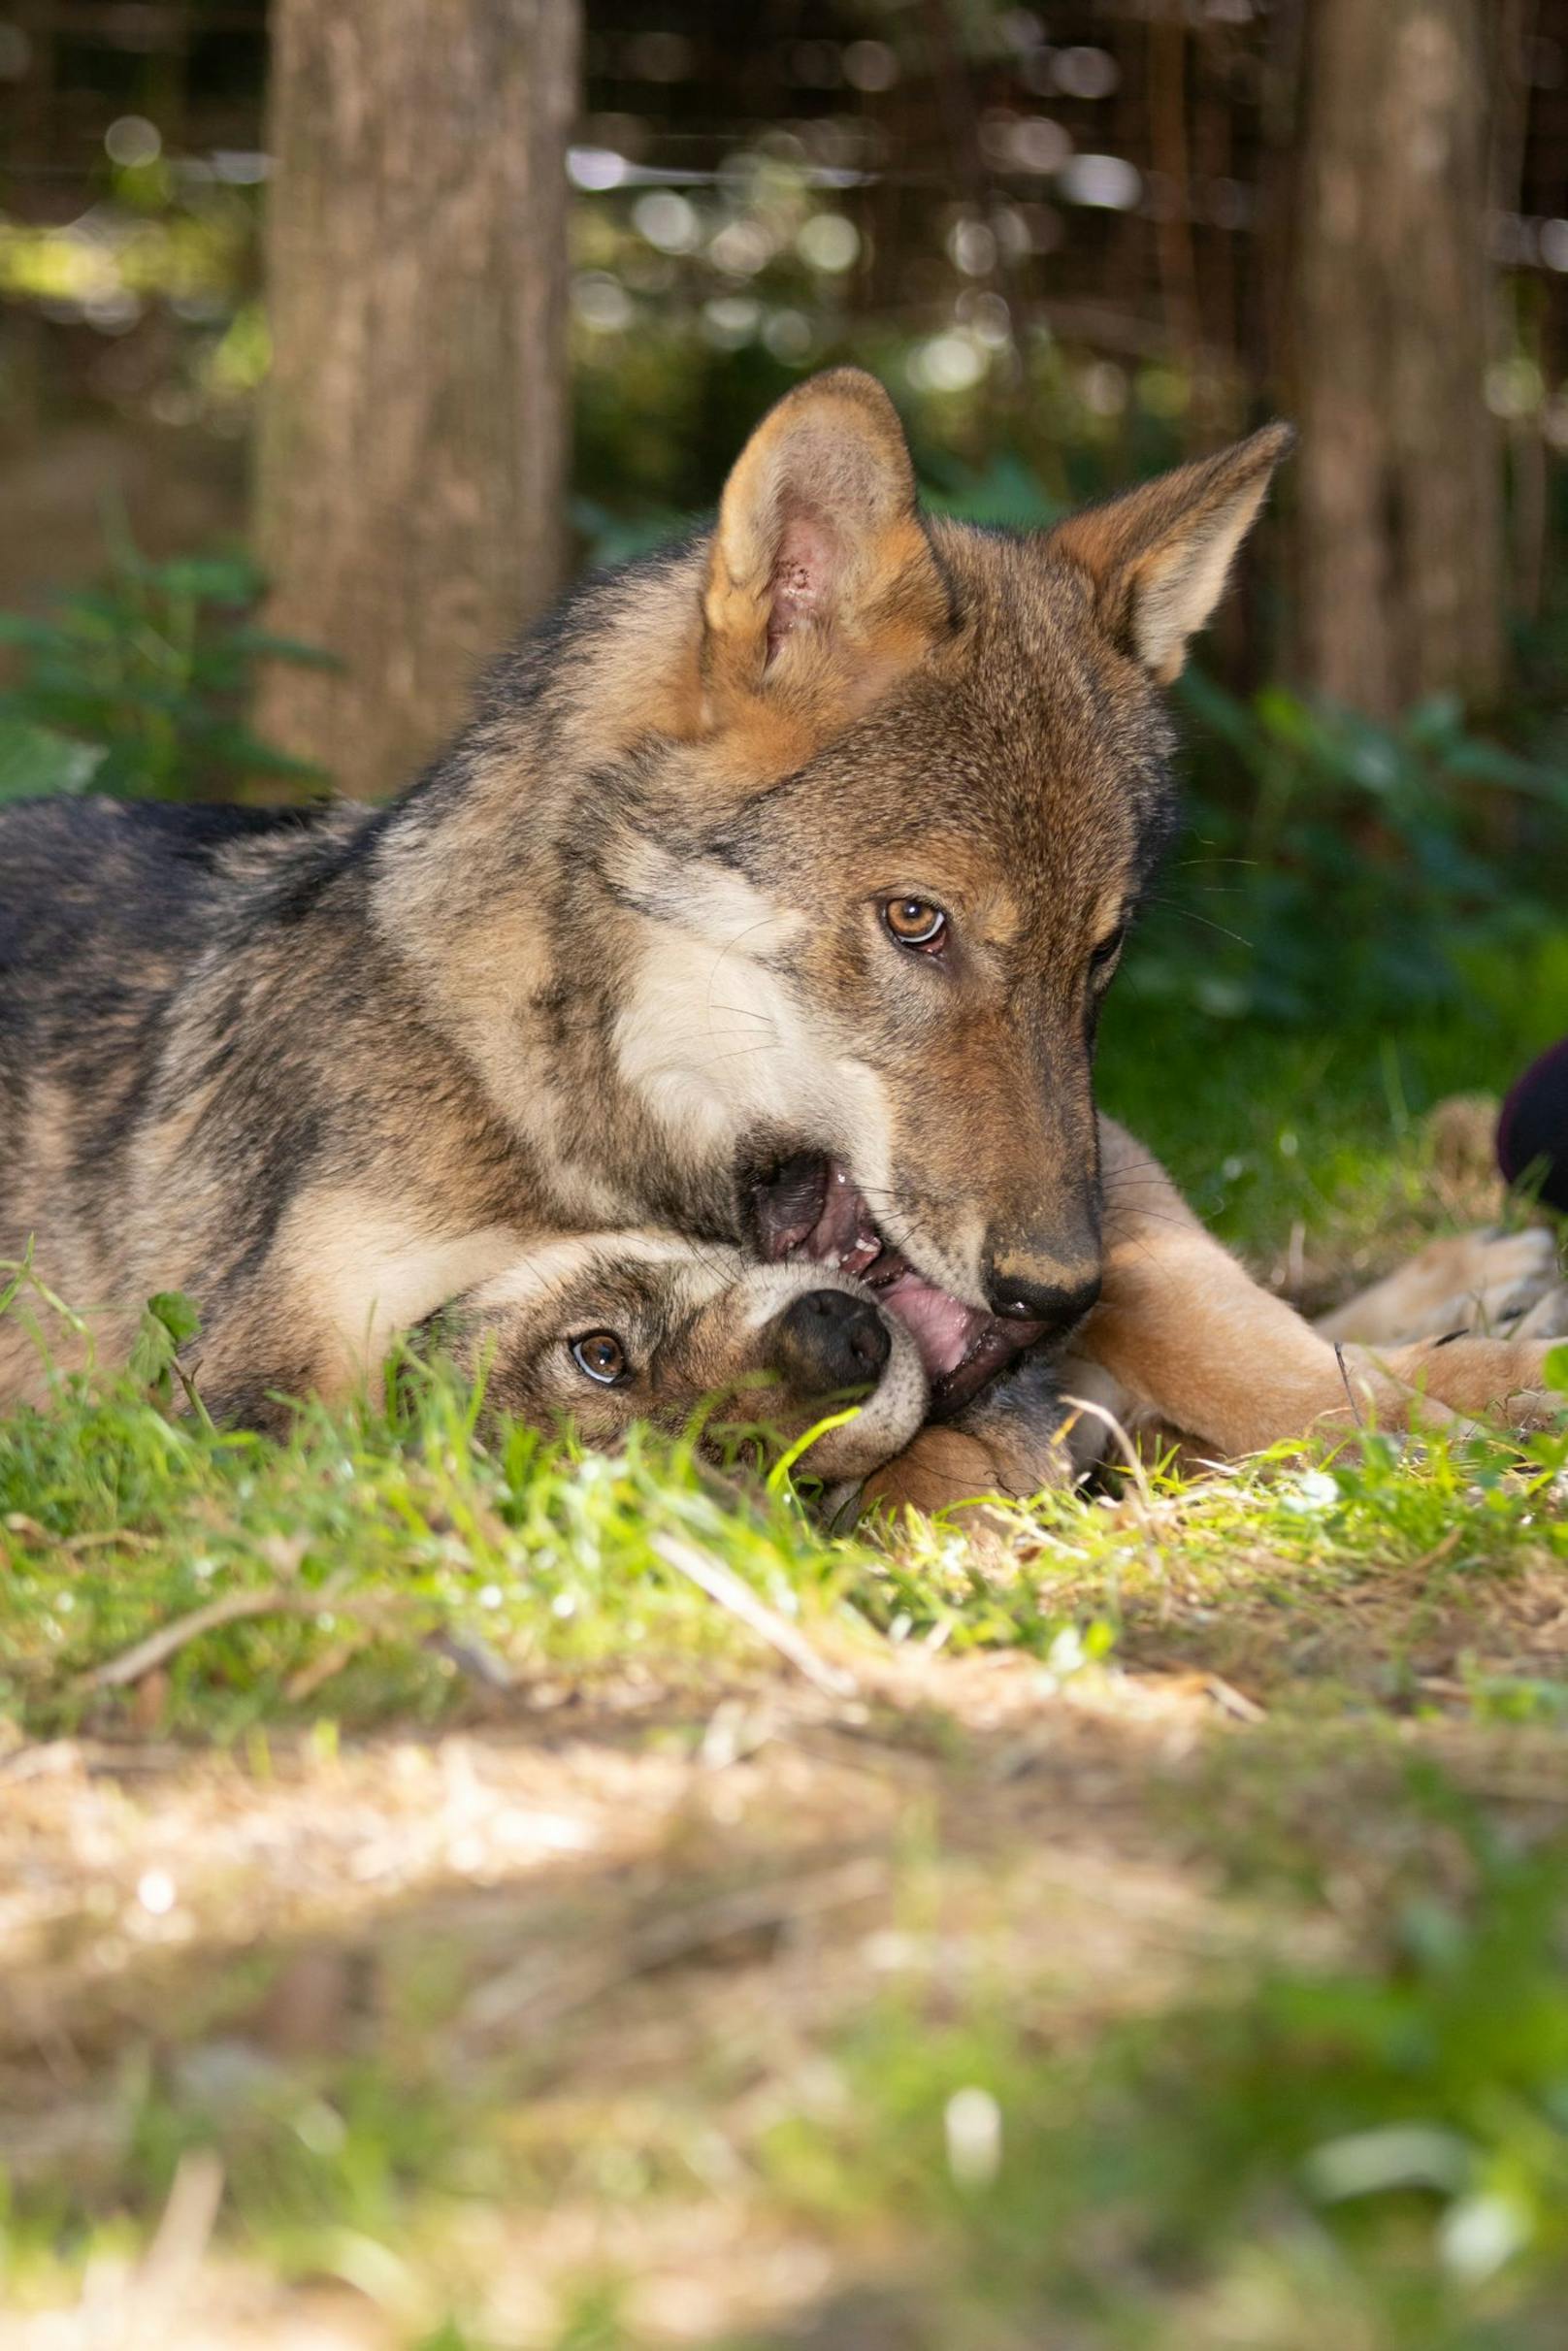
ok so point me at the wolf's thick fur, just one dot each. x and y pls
(624, 949)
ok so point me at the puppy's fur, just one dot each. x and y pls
(757, 1351)
(707, 1326)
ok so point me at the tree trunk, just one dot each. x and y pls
(411, 470)
(1398, 518)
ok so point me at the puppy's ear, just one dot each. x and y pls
(821, 588)
(1158, 557)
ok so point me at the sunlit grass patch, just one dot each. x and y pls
(1378, 1570)
(377, 1566)
(375, 1545)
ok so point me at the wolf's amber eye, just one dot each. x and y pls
(1102, 961)
(914, 922)
(601, 1355)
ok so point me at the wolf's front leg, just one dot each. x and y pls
(1194, 1341)
(1186, 1332)
(1482, 1282)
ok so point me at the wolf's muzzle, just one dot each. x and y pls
(1056, 1296)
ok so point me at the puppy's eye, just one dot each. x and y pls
(601, 1355)
(1103, 961)
(914, 922)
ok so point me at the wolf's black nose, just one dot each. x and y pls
(828, 1340)
(1056, 1305)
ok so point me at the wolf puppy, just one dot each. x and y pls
(610, 1329)
(775, 879)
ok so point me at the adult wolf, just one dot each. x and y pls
(770, 894)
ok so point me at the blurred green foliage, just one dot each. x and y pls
(138, 687)
(165, 254)
(1336, 868)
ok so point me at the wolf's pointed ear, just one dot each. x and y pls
(1159, 556)
(821, 581)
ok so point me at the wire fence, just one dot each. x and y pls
(971, 181)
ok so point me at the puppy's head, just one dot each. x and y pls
(618, 1327)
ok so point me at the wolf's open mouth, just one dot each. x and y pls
(809, 1209)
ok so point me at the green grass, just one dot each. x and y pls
(424, 1563)
(1139, 1926)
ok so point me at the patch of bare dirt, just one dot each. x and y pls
(649, 1933)
(649, 1943)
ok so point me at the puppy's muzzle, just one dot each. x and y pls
(827, 1342)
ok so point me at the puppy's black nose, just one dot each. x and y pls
(827, 1341)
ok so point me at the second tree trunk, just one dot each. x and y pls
(413, 459)
(1399, 521)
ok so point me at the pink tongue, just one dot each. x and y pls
(943, 1328)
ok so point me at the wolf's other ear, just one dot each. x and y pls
(821, 573)
(1159, 556)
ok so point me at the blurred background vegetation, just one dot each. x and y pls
(1077, 241)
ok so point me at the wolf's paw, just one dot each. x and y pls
(1525, 1411)
(1546, 1319)
(1533, 1410)
(1473, 1280)
(1502, 1381)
